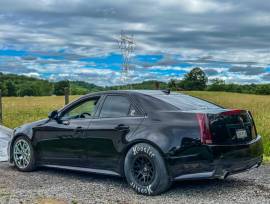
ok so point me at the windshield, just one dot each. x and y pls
(185, 102)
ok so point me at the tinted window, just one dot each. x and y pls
(151, 103)
(185, 102)
(117, 106)
(85, 109)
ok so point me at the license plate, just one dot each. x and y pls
(240, 134)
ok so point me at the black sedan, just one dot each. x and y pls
(151, 138)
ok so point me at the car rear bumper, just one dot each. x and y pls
(216, 161)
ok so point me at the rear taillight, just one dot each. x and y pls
(206, 137)
(232, 112)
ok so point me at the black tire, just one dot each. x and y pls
(31, 166)
(152, 178)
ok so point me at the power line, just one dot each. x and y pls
(127, 46)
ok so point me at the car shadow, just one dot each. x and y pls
(79, 175)
(208, 183)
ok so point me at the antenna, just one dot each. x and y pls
(127, 46)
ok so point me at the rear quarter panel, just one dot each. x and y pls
(169, 131)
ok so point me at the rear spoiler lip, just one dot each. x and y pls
(233, 112)
(204, 111)
(216, 111)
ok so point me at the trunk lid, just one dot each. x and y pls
(231, 127)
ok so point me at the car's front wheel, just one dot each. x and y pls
(145, 170)
(23, 154)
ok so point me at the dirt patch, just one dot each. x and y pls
(50, 201)
(4, 195)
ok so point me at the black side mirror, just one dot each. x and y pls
(53, 115)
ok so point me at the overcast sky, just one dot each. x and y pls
(77, 39)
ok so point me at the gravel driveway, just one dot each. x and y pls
(59, 186)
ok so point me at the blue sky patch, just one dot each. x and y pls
(148, 58)
(15, 53)
(112, 58)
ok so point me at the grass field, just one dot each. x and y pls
(18, 111)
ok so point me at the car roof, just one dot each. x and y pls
(159, 99)
(166, 100)
(144, 91)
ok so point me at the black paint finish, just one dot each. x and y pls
(100, 144)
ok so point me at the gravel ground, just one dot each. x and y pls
(59, 187)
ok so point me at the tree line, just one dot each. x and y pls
(196, 79)
(18, 85)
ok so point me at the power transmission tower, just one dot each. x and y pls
(127, 46)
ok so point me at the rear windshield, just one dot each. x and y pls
(185, 102)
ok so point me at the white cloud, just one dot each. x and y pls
(232, 33)
(199, 6)
(32, 74)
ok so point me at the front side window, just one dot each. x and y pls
(117, 106)
(84, 110)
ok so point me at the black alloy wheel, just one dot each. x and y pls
(143, 170)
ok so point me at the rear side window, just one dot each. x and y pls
(117, 106)
(185, 102)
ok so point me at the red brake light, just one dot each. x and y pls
(206, 137)
(232, 112)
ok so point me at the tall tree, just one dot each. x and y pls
(3, 88)
(196, 79)
(11, 88)
(59, 87)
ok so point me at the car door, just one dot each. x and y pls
(117, 118)
(60, 142)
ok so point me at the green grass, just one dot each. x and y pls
(18, 111)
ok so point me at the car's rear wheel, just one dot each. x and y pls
(23, 154)
(145, 170)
